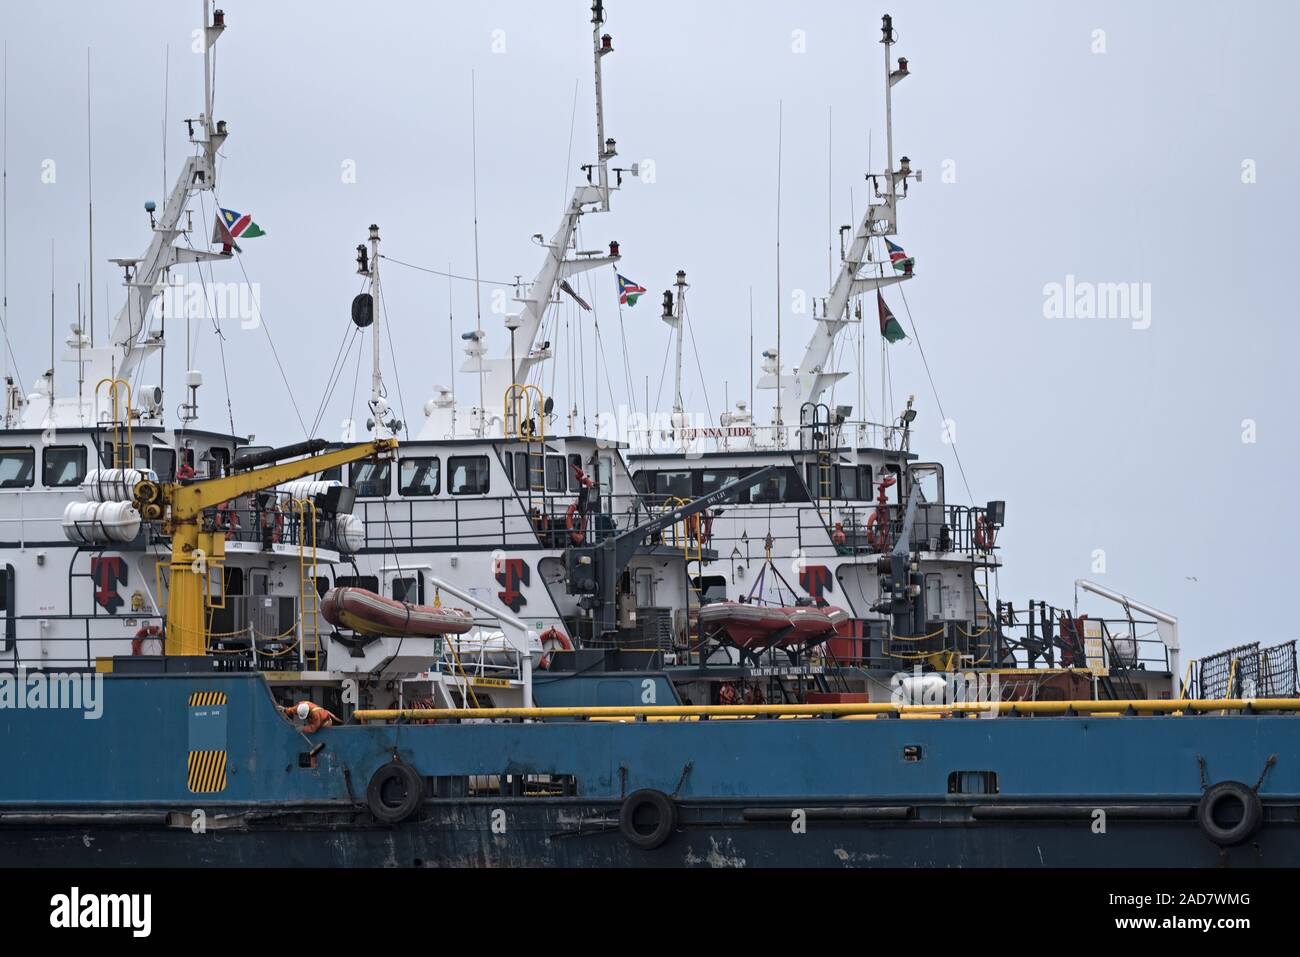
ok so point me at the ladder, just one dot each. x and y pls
(308, 595)
(524, 419)
(815, 436)
(120, 421)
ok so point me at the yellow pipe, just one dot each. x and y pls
(841, 710)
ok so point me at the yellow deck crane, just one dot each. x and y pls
(197, 545)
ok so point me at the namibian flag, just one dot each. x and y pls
(231, 225)
(889, 327)
(898, 257)
(628, 291)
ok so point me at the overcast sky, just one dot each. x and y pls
(1112, 156)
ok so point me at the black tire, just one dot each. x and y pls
(395, 792)
(647, 818)
(1229, 813)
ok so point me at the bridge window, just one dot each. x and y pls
(846, 482)
(420, 476)
(372, 479)
(781, 486)
(575, 462)
(468, 475)
(141, 458)
(164, 463)
(865, 486)
(63, 466)
(713, 479)
(555, 467)
(17, 468)
(673, 485)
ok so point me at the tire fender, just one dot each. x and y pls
(395, 792)
(647, 818)
(1225, 794)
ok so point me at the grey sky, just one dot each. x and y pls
(1122, 166)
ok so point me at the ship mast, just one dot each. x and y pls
(129, 345)
(812, 377)
(593, 196)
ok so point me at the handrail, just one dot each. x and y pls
(1066, 708)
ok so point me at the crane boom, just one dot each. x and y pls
(179, 507)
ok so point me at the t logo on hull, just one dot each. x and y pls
(816, 581)
(108, 572)
(512, 573)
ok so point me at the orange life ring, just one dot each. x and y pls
(143, 635)
(985, 533)
(576, 522)
(553, 640)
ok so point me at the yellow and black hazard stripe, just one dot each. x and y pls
(207, 771)
(201, 699)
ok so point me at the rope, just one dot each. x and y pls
(440, 272)
(933, 388)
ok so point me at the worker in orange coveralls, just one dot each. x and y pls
(310, 717)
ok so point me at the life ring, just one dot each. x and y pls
(985, 533)
(647, 818)
(700, 527)
(148, 633)
(395, 792)
(1223, 800)
(552, 640)
(878, 528)
(576, 522)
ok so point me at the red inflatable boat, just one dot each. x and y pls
(370, 614)
(764, 626)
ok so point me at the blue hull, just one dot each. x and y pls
(128, 789)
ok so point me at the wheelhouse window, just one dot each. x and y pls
(673, 485)
(866, 488)
(140, 459)
(63, 465)
(555, 467)
(420, 476)
(164, 463)
(17, 468)
(847, 483)
(372, 479)
(468, 474)
(526, 469)
(575, 465)
(782, 486)
(713, 479)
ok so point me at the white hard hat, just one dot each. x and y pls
(304, 709)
